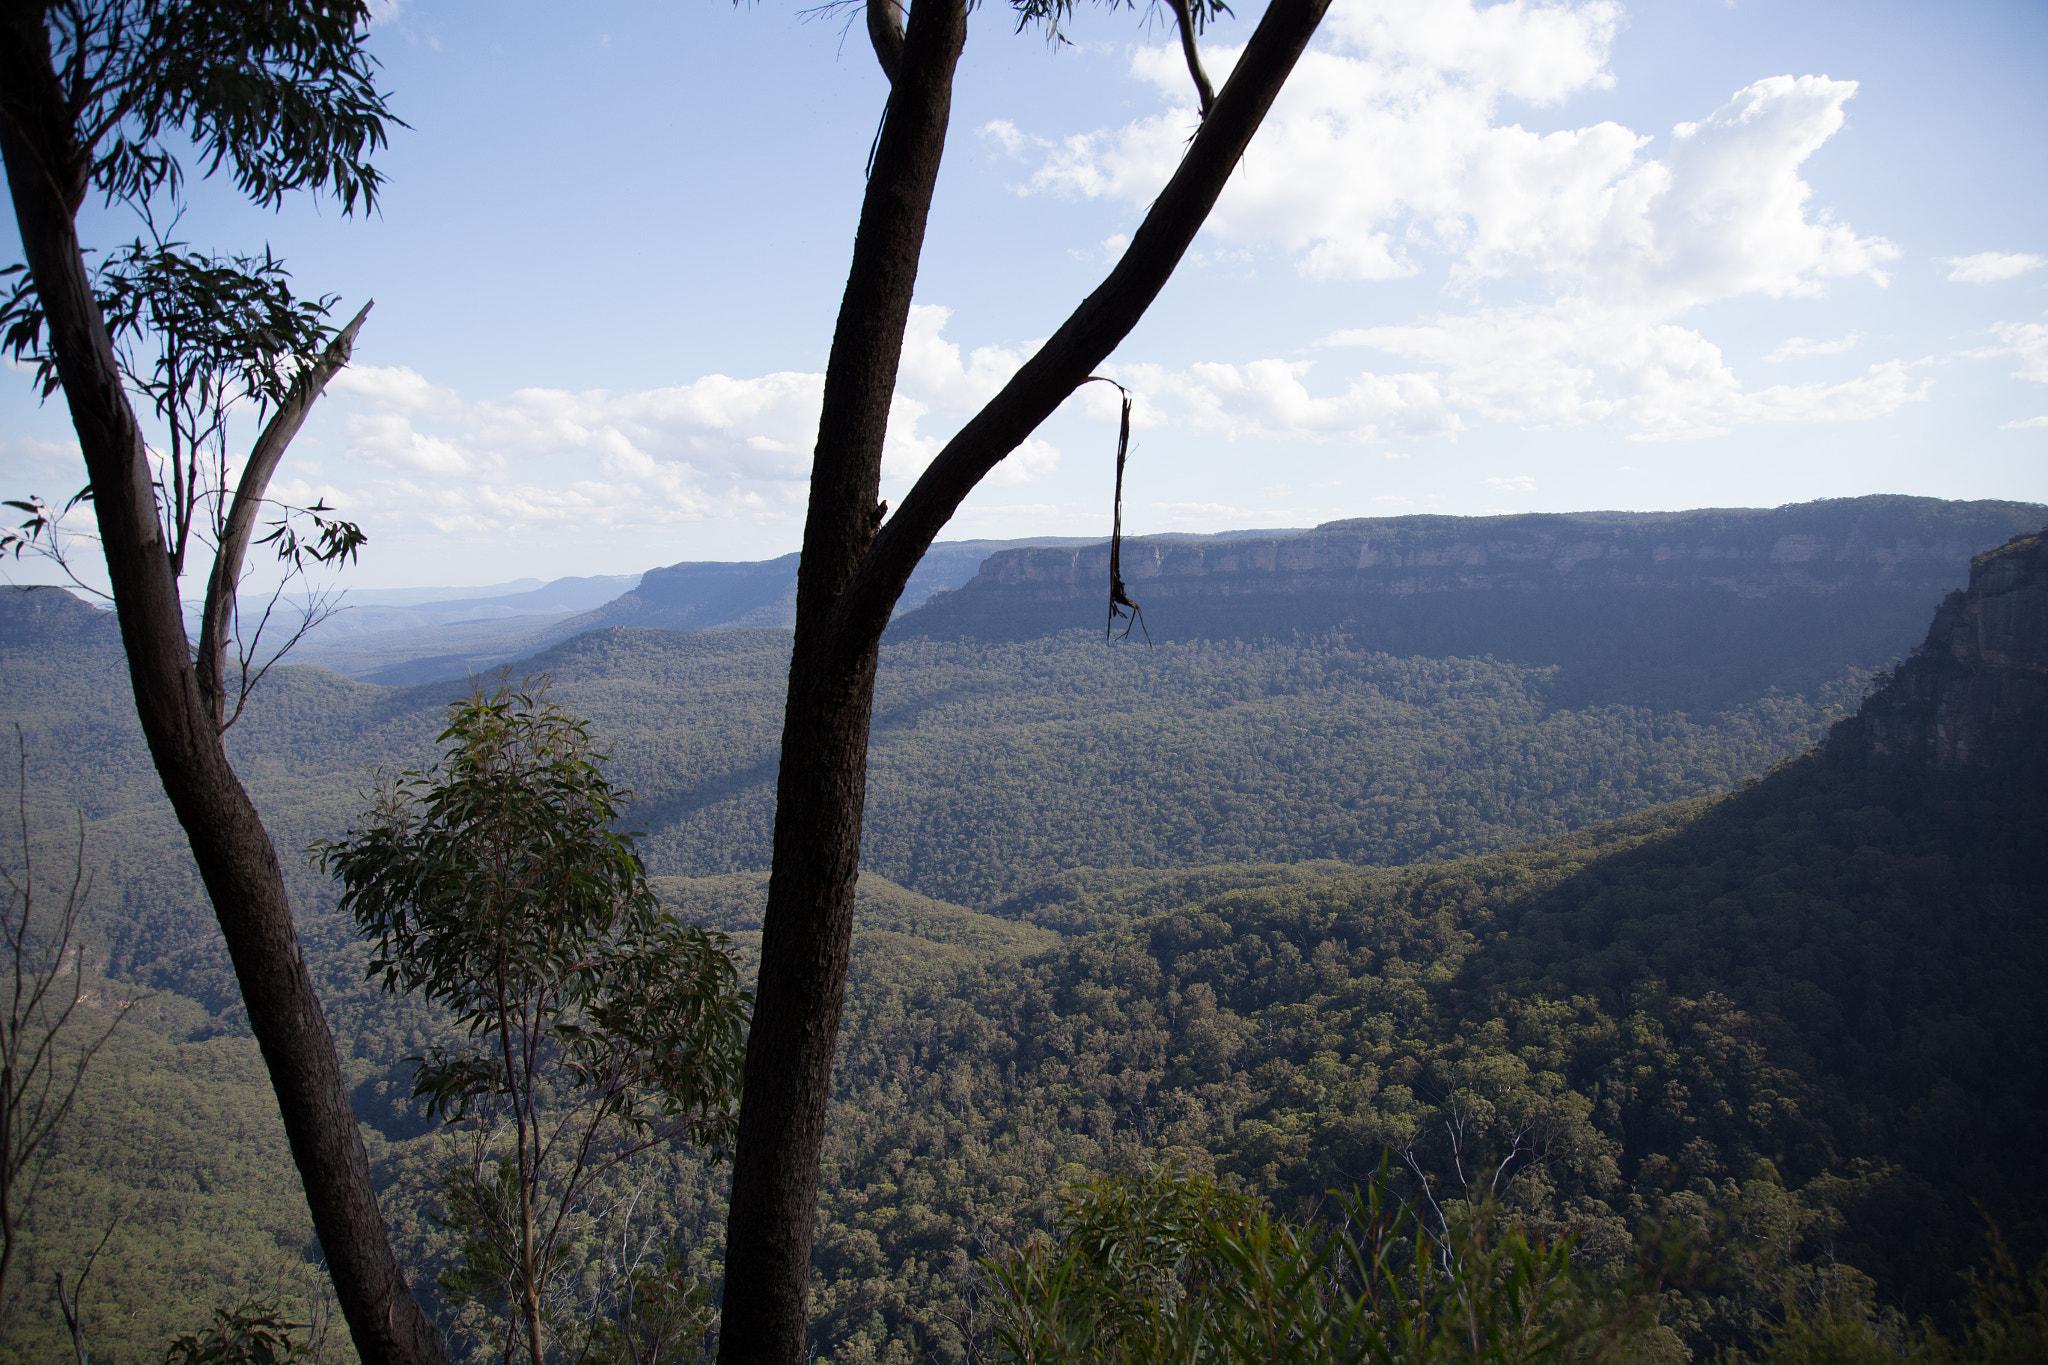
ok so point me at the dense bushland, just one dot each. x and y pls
(1793, 1022)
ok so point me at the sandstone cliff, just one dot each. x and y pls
(1822, 547)
(1692, 611)
(1976, 692)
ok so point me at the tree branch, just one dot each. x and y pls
(1089, 334)
(241, 520)
(1184, 16)
(885, 31)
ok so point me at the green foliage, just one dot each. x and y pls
(178, 1150)
(1171, 1268)
(667, 1317)
(1668, 1019)
(253, 1334)
(283, 95)
(1793, 1027)
(494, 885)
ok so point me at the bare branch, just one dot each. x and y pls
(42, 1063)
(1184, 18)
(317, 609)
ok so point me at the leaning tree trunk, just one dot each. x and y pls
(854, 569)
(46, 174)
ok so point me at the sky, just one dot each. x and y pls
(1481, 259)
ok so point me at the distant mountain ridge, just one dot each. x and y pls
(694, 595)
(1809, 547)
(727, 596)
(1710, 602)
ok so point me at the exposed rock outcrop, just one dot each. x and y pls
(1817, 547)
(1976, 692)
(1692, 611)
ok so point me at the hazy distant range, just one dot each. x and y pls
(404, 636)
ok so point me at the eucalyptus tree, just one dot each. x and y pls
(497, 886)
(857, 558)
(104, 97)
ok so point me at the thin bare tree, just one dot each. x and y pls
(48, 1033)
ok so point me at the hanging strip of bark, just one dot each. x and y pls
(1121, 607)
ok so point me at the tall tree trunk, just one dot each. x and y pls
(46, 174)
(848, 584)
(822, 786)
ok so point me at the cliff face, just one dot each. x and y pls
(1912, 544)
(1688, 611)
(1976, 692)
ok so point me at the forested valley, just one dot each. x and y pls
(1741, 967)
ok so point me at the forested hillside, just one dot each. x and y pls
(993, 764)
(1276, 909)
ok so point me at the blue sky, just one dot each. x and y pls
(1483, 258)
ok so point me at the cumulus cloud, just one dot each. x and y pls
(1271, 398)
(1989, 267)
(2028, 341)
(934, 370)
(718, 446)
(1568, 363)
(1388, 154)
(1575, 363)
(1386, 142)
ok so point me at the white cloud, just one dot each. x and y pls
(1573, 363)
(934, 378)
(1385, 156)
(2025, 424)
(1006, 135)
(1732, 217)
(1802, 348)
(716, 447)
(48, 457)
(387, 439)
(396, 388)
(1538, 53)
(1027, 463)
(1384, 145)
(933, 370)
(1515, 483)
(1989, 267)
(1269, 398)
(1565, 364)
(2028, 341)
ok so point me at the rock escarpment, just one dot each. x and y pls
(1690, 611)
(1975, 694)
(1815, 548)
